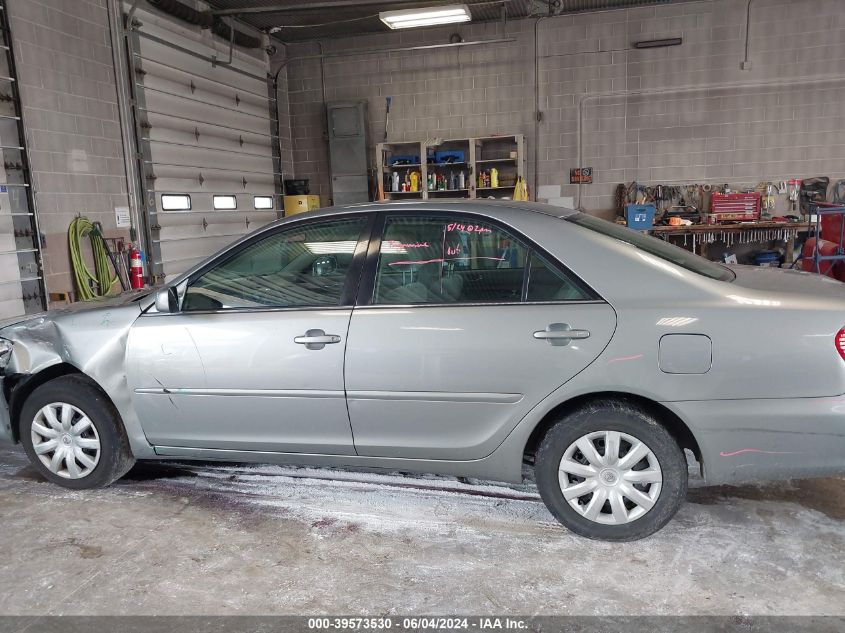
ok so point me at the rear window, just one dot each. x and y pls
(654, 246)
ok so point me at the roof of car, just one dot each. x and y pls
(477, 206)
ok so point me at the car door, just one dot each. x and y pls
(464, 327)
(253, 357)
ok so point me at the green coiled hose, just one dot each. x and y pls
(102, 279)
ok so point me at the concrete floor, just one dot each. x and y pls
(211, 539)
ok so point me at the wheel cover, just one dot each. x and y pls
(610, 477)
(65, 440)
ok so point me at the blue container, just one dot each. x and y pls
(640, 217)
(449, 156)
(767, 258)
(404, 160)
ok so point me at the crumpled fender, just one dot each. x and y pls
(92, 339)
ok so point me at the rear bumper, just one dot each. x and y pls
(750, 440)
(6, 435)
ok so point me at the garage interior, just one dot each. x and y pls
(153, 133)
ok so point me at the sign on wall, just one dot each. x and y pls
(581, 176)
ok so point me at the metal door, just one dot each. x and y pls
(451, 382)
(232, 371)
(22, 289)
(240, 381)
(347, 124)
(206, 128)
(464, 347)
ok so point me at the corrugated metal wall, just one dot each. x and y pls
(203, 130)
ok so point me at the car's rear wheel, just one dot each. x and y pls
(611, 471)
(73, 435)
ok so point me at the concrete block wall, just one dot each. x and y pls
(448, 93)
(646, 114)
(670, 129)
(67, 83)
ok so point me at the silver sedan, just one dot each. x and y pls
(455, 338)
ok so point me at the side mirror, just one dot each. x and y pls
(166, 300)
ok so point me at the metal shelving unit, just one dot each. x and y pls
(505, 153)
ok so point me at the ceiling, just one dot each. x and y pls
(297, 20)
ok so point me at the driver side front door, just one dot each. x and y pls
(253, 360)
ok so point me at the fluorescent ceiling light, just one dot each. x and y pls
(427, 16)
(393, 247)
(331, 248)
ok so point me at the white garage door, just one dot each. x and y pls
(207, 136)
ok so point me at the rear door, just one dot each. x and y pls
(464, 326)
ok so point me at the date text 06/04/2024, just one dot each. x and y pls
(480, 623)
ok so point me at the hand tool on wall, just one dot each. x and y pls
(98, 232)
(838, 193)
(793, 186)
(387, 101)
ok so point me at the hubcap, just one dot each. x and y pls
(610, 477)
(65, 440)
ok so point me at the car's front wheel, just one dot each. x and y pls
(611, 471)
(73, 435)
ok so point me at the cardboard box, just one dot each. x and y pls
(300, 204)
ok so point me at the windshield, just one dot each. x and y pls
(654, 246)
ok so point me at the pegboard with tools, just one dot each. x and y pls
(693, 203)
(725, 221)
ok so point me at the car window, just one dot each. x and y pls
(447, 260)
(548, 283)
(297, 267)
(654, 246)
(460, 260)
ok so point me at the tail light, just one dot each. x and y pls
(840, 342)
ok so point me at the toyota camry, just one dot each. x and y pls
(457, 338)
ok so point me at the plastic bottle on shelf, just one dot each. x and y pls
(415, 181)
(395, 181)
(494, 177)
(462, 183)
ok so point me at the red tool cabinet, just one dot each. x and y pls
(734, 207)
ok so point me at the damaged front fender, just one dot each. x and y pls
(90, 339)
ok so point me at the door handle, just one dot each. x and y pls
(316, 339)
(561, 334)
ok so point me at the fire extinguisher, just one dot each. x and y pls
(136, 268)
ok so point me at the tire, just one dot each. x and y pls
(641, 496)
(101, 452)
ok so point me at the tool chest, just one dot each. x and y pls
(734, 207)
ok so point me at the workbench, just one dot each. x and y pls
(702, 235)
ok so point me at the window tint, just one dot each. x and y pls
(300, 266)
(547, 283)
(448, 260)
(654, 246)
